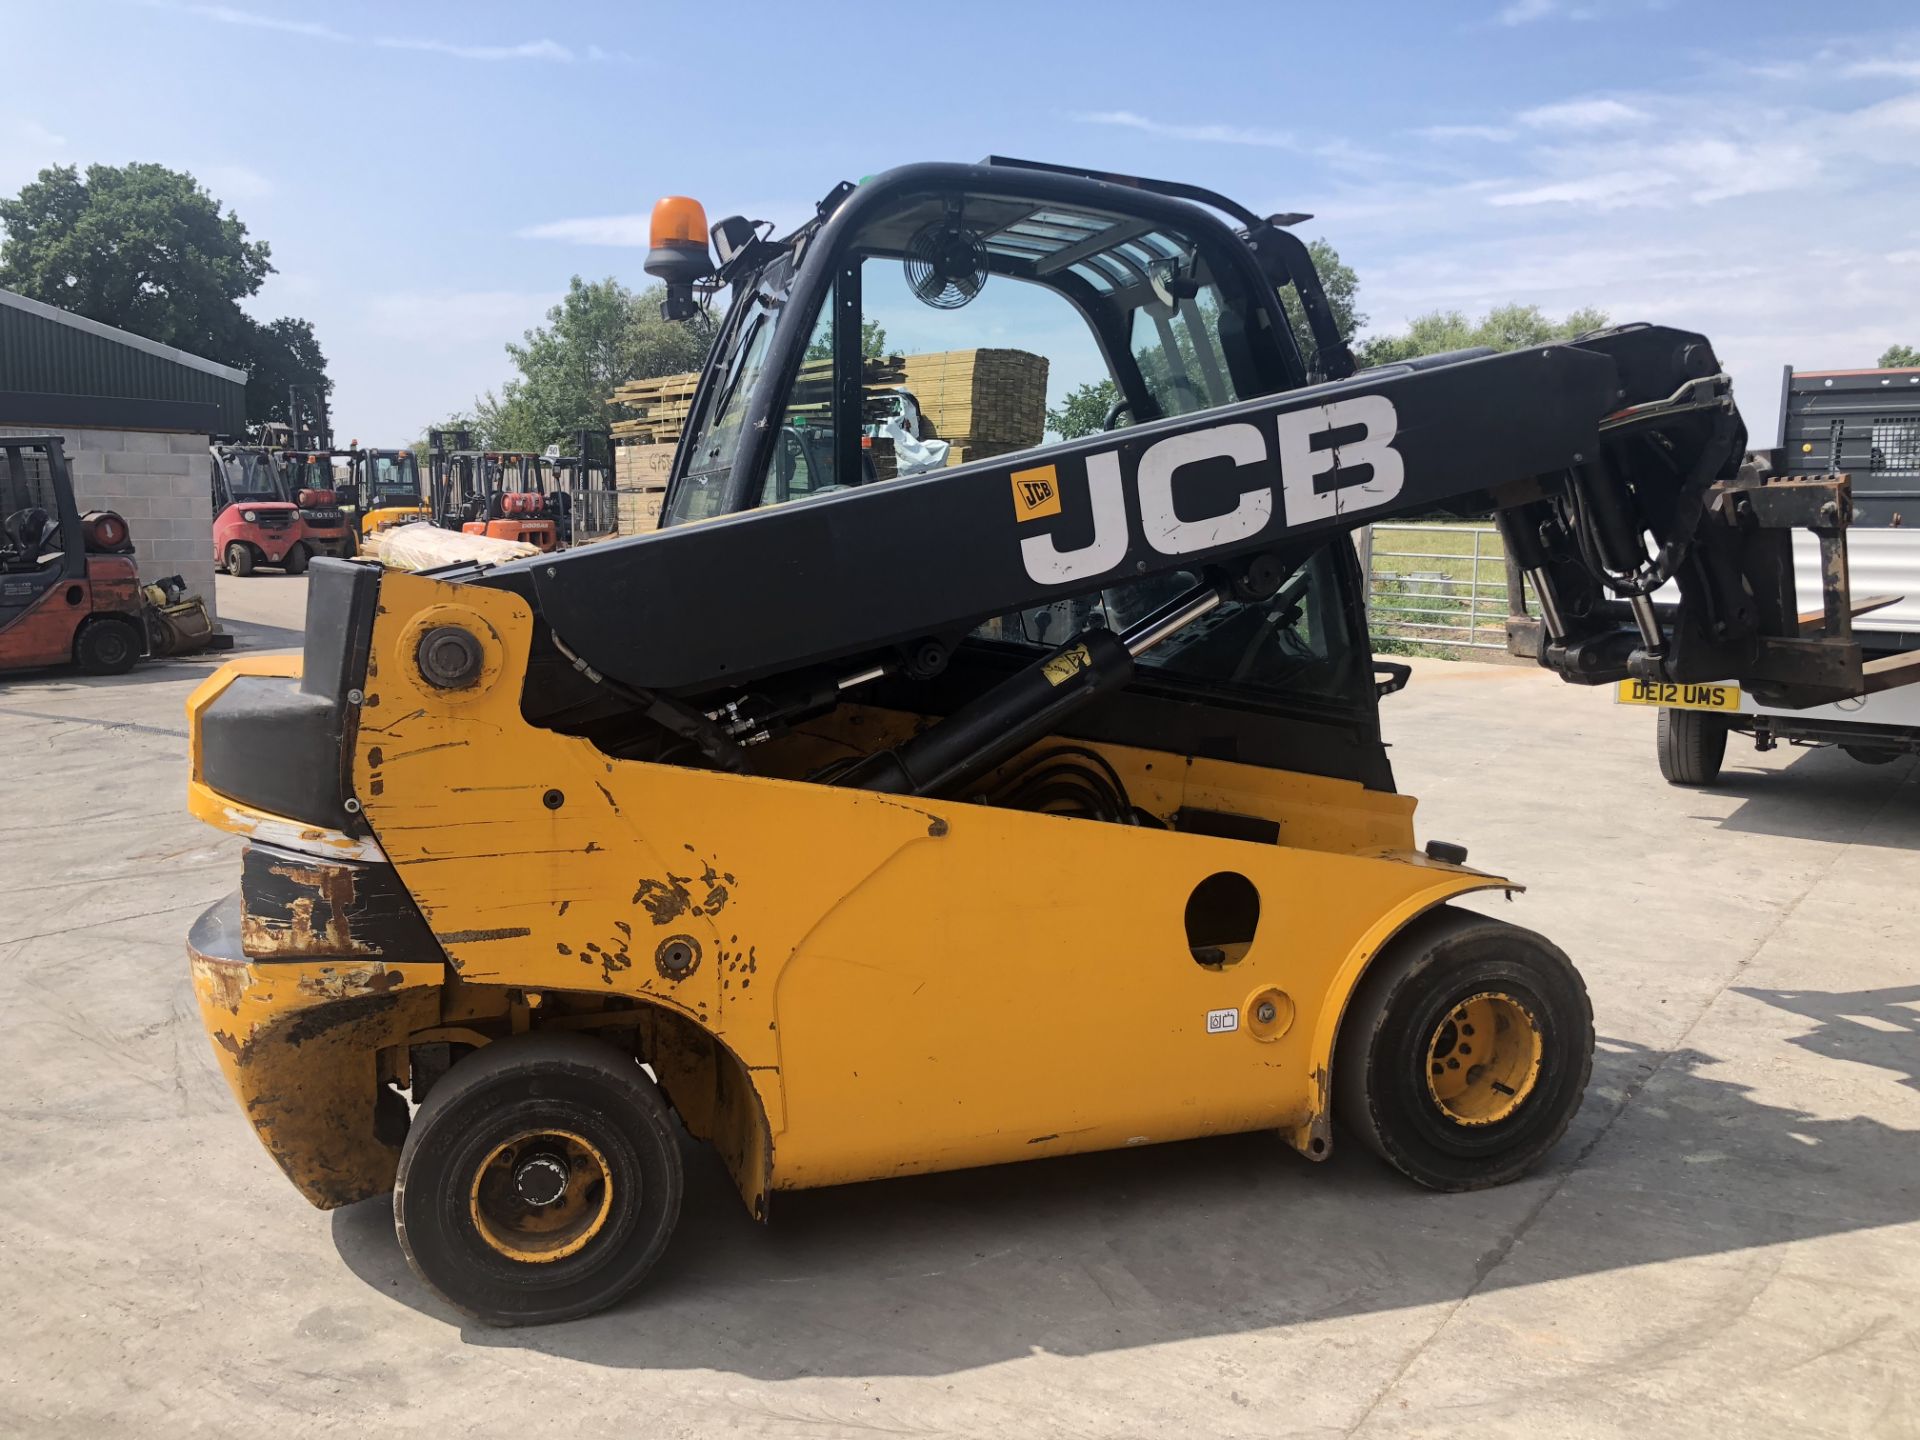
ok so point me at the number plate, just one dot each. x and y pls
(1677, 697)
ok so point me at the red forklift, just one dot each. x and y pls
(307, 459)
(255, 520)
(498, 493)
(70, 591)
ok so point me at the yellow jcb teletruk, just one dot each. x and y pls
(1024, 807)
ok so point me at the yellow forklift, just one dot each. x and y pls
(386, 489)
(1032, 806)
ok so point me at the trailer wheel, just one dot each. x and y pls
(295, 562)
(240, 558)
(1464, 1052)
(1692, 744)
(539, 1181)
(1869, 755)
(107, 645)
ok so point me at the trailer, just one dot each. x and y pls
(1864, 424)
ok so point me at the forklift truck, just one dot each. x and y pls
(256, 519)
(1033, 806)
(385, 490)
(69, 589)
(314, 484)
(503, 494)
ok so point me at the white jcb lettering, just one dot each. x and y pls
(1048, 564)
(1165, 530)
(1301, 464)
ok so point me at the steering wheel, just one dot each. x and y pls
(30, 529)
(1122, 406)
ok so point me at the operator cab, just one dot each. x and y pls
(1019, 309)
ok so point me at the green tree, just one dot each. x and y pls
(1900, 357)
(873, 343)
(1342, 287)
(1083, 410)
(598, 337)
(148, 250)
(1510, 327)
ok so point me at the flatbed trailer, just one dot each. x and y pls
(1864, 424)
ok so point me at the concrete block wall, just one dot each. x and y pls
(159, 480)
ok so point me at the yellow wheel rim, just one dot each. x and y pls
(541, 1196)
(1483, 1059)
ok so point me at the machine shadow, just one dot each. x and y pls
(935, 1274)
(1827, 796)
(253, 635)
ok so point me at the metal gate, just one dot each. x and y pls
(1443, 585)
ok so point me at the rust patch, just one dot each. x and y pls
(667, 900)
(341, 984)
(224, 985)
(664, 903)
(471, 937)
(315, 923)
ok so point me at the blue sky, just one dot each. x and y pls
(429, 174)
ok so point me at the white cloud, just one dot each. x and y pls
(1523, 12)
(1442, 134)
(1211, 133)
(528, 50)
(1582, 115)
(592, 230)
(1604, 192)
(1895, 69)
(228, 15)
(542, 49)
(454, 319)
(596, 52)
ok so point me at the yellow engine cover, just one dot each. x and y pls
(912, 985)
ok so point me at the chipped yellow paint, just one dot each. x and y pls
(297, 1043)
(911, 985)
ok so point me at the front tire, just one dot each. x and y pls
(295, 562)
(540, 1180)
(107, 646)
(1692, 745)
(1464, 1052)
(240, 559)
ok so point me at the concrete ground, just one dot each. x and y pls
(1727, 1243)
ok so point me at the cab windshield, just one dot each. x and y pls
(251, 477)
(393, 477)
(987, 325)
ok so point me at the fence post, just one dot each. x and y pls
(1473, 594)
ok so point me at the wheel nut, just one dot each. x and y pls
(542, 1180)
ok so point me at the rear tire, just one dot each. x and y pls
(566, 1112)
(240, 558)
(1692, 745)
(295, 562)
(107, 646)
(1408, 1083)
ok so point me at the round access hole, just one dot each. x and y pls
(1222, 914)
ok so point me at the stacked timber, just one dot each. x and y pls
(660, 406)
(640, 485)
(984, 402)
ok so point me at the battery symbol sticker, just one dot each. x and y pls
(1221, 1022)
